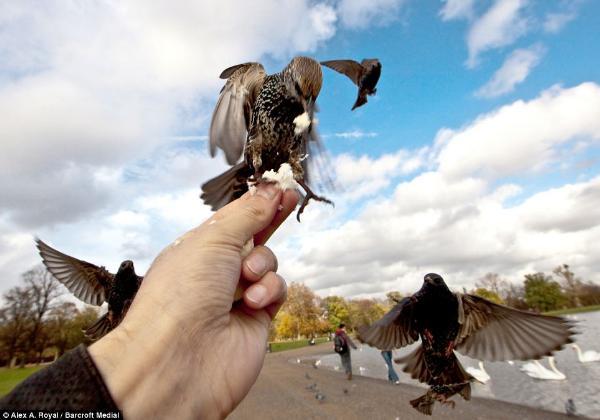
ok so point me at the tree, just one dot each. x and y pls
(337, 311)
(489, 295)
(301, 306)
(493, 283)
(44, 288)
(15, 319)
(570, 283)
(393, 298)
(365, 312)
(542, 293)
(60, 326)
(514, 296)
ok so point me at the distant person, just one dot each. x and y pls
(311, 342)
(392, 375)
(342, 344)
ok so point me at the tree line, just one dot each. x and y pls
(37, 324)
(305, 314)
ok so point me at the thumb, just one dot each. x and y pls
(241, 219)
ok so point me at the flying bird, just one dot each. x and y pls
(94, 285)
(365, 75)
(447, 321)
(268, 120)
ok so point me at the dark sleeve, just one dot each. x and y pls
(349, 341)
(71, 383)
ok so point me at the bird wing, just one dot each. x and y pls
(232, 114)
(317, 166)
(86, 281)
(350, 68)
(495, 332)
(396, 329)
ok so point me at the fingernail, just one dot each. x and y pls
(257, 293)
(268, 191)
(257, 264)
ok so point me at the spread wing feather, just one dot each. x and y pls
(231, 117)
(396, 329)
(350, 68)
(86, 281)
(495, 332)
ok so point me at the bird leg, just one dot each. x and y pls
(309, 194)
(444, 400)
(449, 349)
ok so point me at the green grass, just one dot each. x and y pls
(574, 310)
(289, 345)
(9, 378)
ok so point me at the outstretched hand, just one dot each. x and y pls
(185, 349)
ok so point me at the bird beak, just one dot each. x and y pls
(428, 280)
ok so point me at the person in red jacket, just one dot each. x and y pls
(342, 344)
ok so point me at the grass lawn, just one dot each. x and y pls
(289, 345)
(574, 310)
(9, 378)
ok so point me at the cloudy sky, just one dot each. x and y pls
(480, 152)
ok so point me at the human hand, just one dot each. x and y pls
(183, 351)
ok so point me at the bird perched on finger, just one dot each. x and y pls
(365, 75)
(269, 121)
(445, 321)
(94, 285)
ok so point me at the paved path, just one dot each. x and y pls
(280, 393)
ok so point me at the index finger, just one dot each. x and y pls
(288, 204)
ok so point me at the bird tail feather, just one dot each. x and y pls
(416, 366)
(423, 404)
(228, 186)
(100, 328)
(360, 100)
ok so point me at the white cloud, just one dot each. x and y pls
(354, 134)
(499, 26)
(362, 13)
(554, 22)
(457, 9)
(523, 136)
(513, 71)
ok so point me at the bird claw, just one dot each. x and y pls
(310, 194)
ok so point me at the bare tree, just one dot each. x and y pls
(494, 283)
(15, 319)
(44, 289)
(570, 284)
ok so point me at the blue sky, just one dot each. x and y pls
(479, 152)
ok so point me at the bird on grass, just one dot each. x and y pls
(94, 285)
(447, 321)
(269, 121)
(365, 75)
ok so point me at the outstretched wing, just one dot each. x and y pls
(396, 329)
(86, 281)
(232, 114)
(495, 332)
(350, 68)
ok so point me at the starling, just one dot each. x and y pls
(94, 285)
(269, 119)
(476, 327)
(364, 74)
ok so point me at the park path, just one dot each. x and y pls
(281, 393)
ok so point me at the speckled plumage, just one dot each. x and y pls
(476, 327)
(268, 106)
(94, 285)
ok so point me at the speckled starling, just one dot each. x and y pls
(476, 327)
(364, 74)
(94, 285)
(269, 119)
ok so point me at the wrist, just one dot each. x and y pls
(151, 372)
